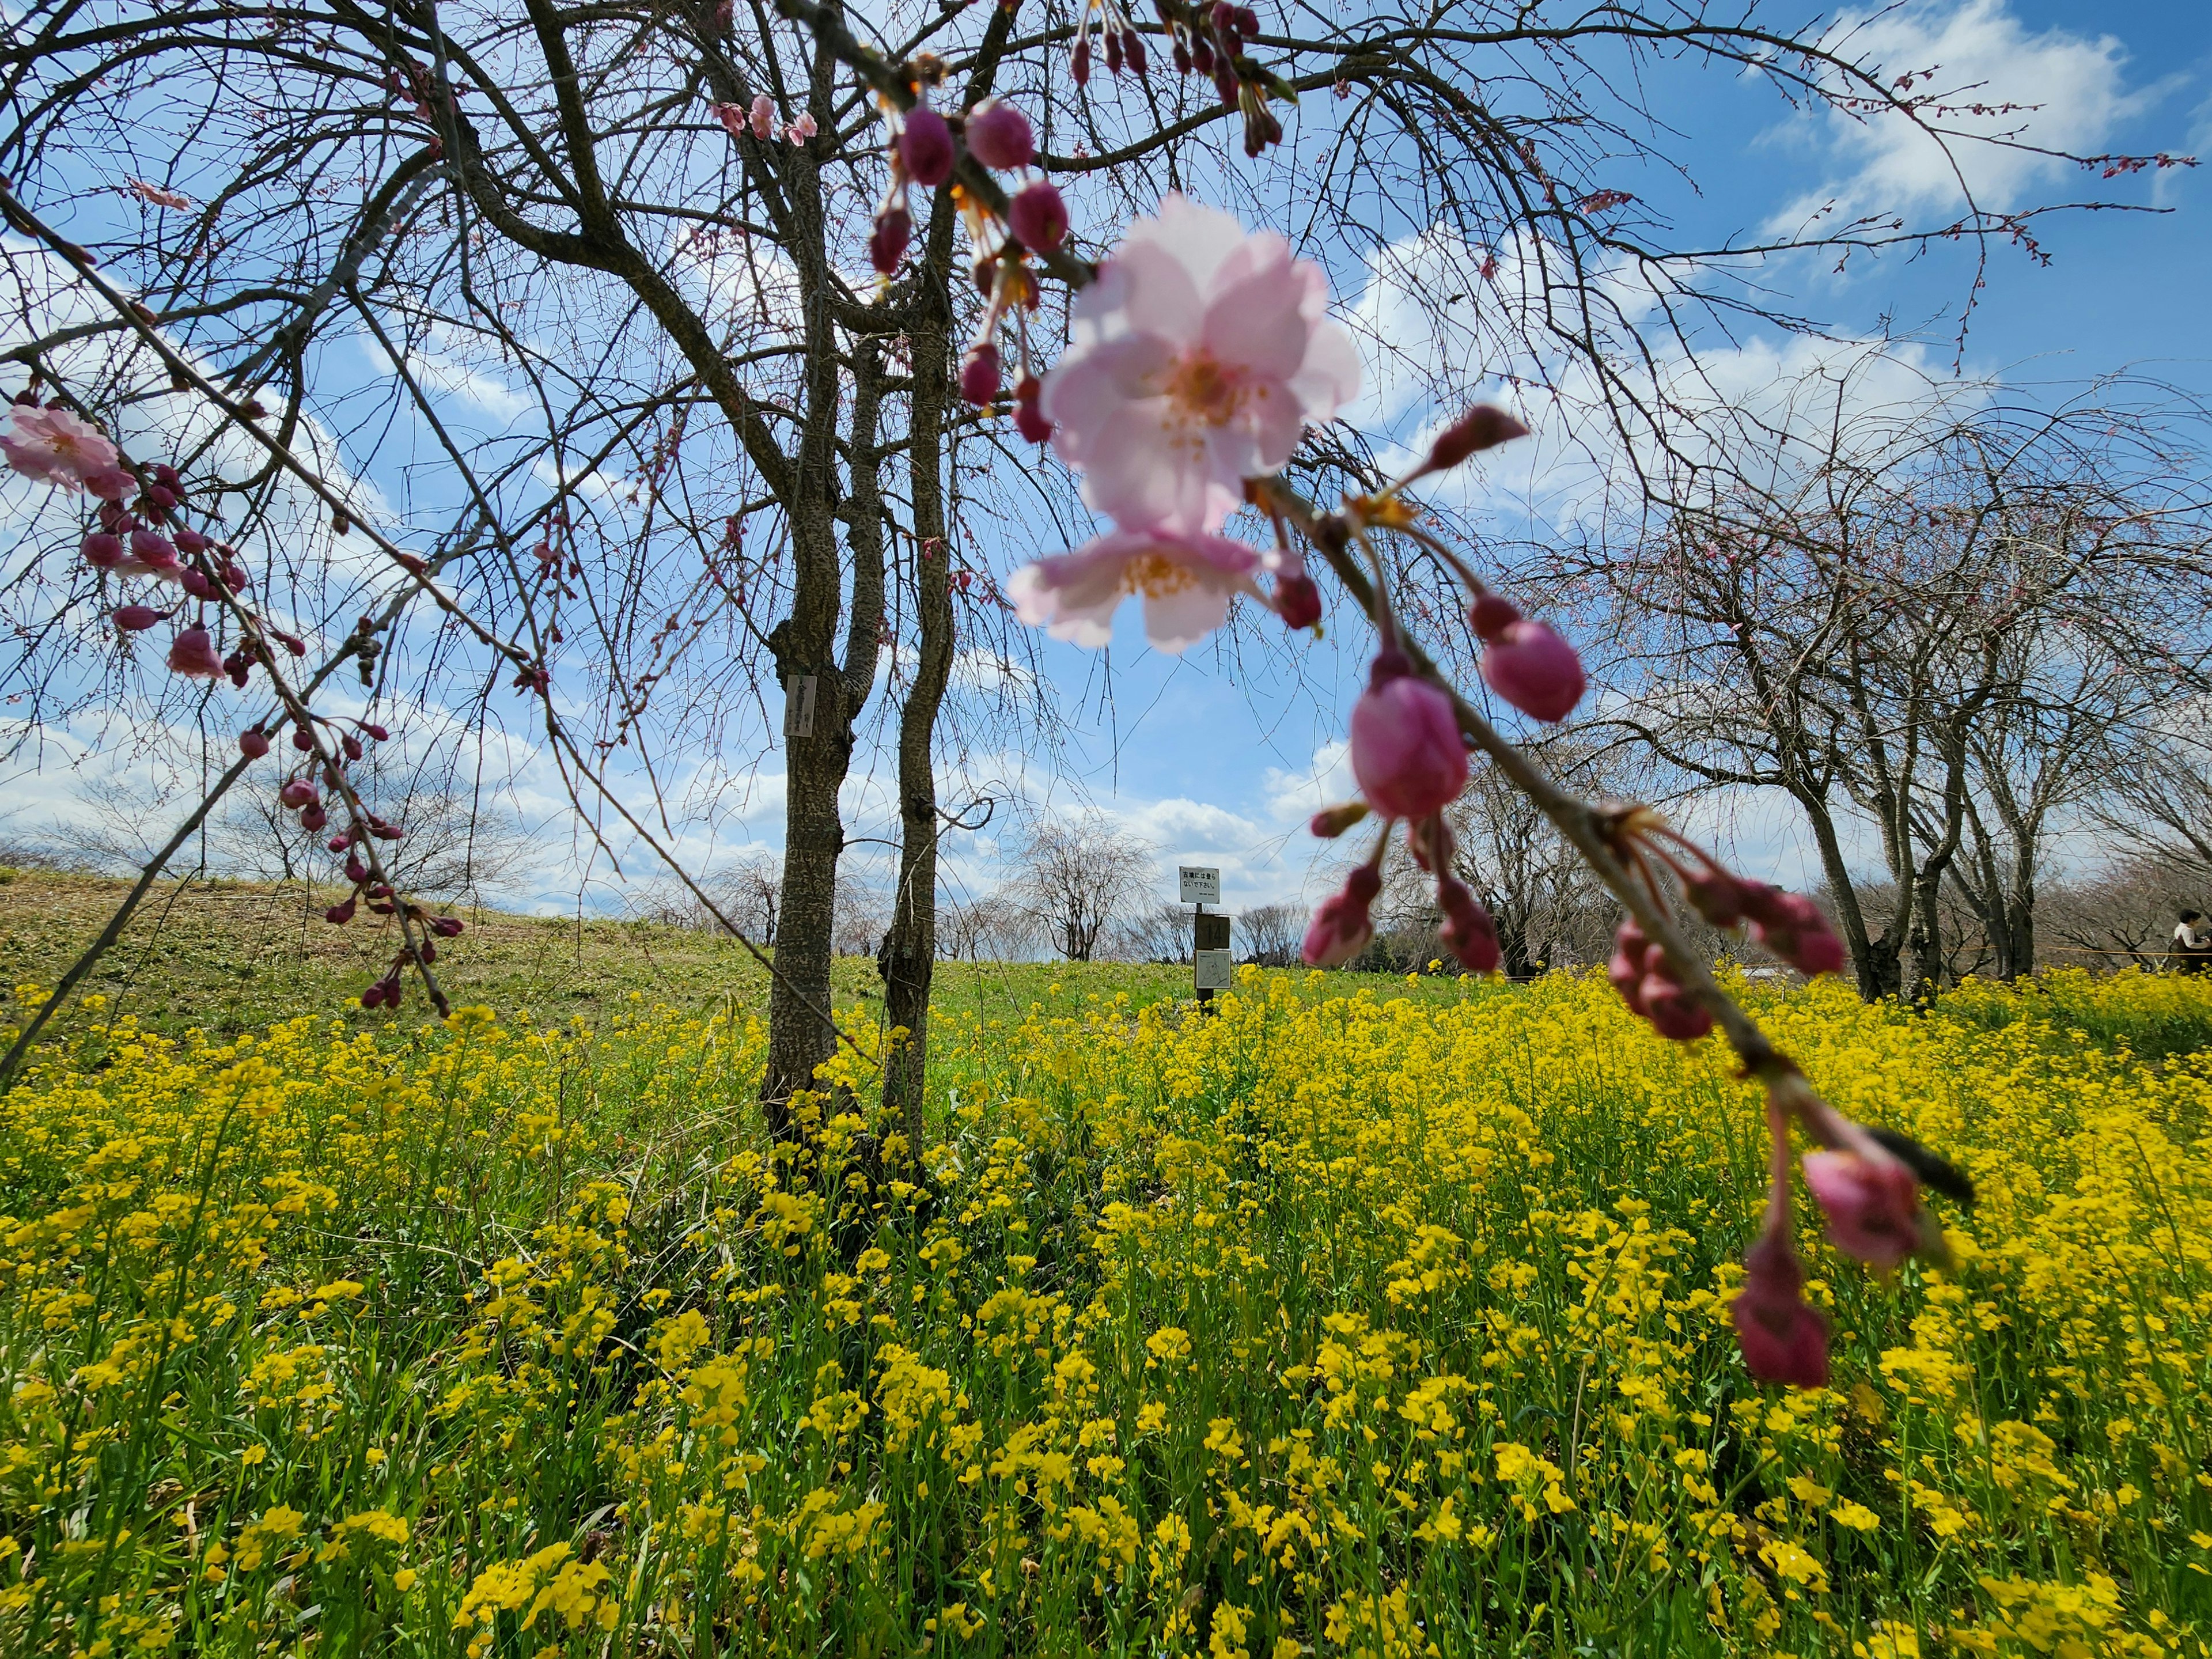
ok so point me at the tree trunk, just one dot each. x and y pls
(909, 957)
(802, 1031)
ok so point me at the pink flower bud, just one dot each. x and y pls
(115, 520)
(254, 743)
(887, 242)
(170, 479)
(153, 551)
(1332, 820)
(373, 996)
(1341, 926)
(356, 870)
(192, 654)
(1037, 216)
(1782, 1338)
(351, 744)
(1672, 1012)
(194, 582)
(1631, 954)
(338, 915)
(1716, 896)
(313, 818)
(302, 740)
(1079, 61)
(1298, 601)
(999, 136)
(1028, 412)
(110, 484)
(136, 618)
(1481, 428)
(371, 729)
(1405, 747)
(1491, 614)
(925, 144)
(1793, 928)
(446, 926)
(103, 550)
(191, 544)
(1468, 931)
(298, 793)
(159, 502)
(339, 843)
(1873, 1205)
(1535, 670)
(234, 577)
(979, 372)
(763, 117)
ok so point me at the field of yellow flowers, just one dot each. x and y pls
(1345, 1322)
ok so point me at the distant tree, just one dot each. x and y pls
(1081, 875)
(1160, 934)
(994, 927)
(2159, 801)
(1273, 933)
(750, 894)
(2124, 913)
(1541, 892)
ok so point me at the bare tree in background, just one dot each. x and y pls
(1158, 933)
(1931, 619)
(2159, 802)
(992, 927)
(1272, 935)
(1537, 888)
(1079, 875)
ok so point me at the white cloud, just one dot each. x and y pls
(2001, 91)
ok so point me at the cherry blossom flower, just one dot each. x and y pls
(801, 130)
(1186, 579)
(1198, 357)
(52, 445)
(763, 116)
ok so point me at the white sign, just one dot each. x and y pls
(1200, 885)
(799, 707)
(1214, 971)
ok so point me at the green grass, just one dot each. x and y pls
(226, 958)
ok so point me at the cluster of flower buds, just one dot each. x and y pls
(1122, 45)
(144, 538)
(1867, 1183)
(1789, 924)
(997, 135)
(759, 118)
(1649, 984)
(1213, 39)
(1410, 762)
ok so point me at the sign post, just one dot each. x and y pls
(1211, 968)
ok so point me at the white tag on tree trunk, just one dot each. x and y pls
(799, 707)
